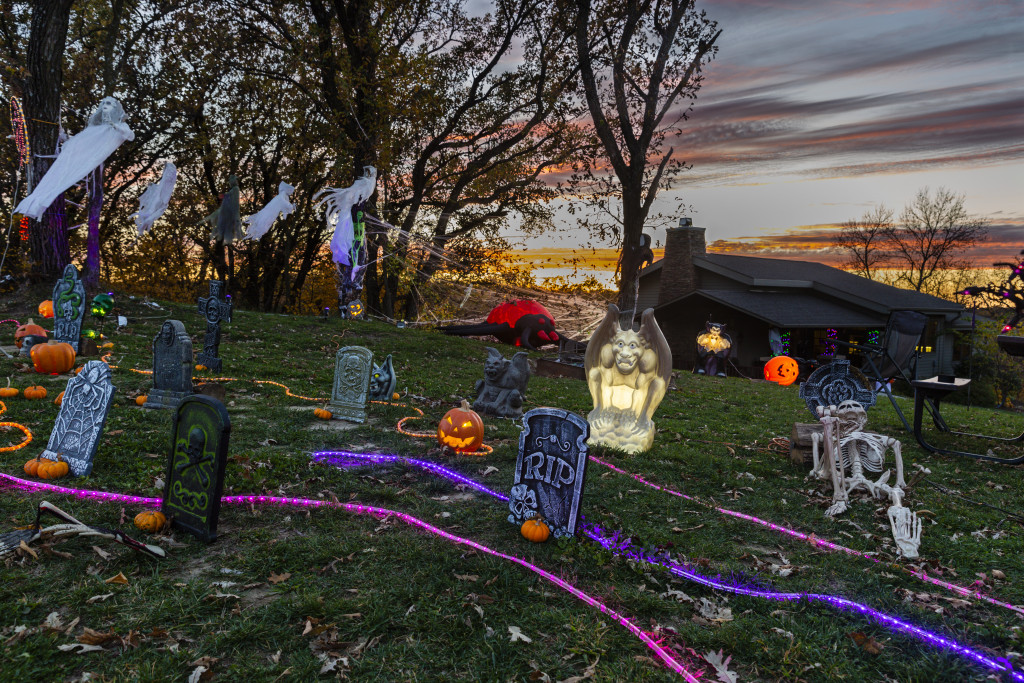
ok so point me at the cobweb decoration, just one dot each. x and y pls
(20, 132)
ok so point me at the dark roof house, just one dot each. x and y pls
(808, 304)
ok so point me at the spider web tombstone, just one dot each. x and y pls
(68, 307)
(834, 383)
(83, 413)
(195, 468)
(550, 470)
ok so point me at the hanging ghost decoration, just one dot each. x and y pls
(338, 203)
(79, 155)
(226, 221)
(153, 202)
(260, 222)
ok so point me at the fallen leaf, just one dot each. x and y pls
(467, 577)
(99, 598)
(115, 432)
(217, 595)
(720, 666)
(278, 578)
(118, 578)
(102, 553)
(82, 648)
(867, 643)
(197, 674)
(90, 637)
(515, 634)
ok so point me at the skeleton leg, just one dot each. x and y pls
(834, 461)
(897, 455)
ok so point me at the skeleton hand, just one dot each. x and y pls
(906, 530)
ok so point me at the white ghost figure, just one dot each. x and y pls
(338, 203)
(260, 222)
(79, 156)
(153, 202)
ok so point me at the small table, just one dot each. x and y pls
(928, 394)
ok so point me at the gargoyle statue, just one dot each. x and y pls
(502, 390)
(383, 381)
(628, 374)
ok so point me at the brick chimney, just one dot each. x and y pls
(678, 274)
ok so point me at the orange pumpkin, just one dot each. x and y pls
(535, 530)
(52, 469)
(32, 393)
(140, 400)
(27, 329)
(46, 308)
(150, 521)
(8, 391)
(323, 414)
(32, 466)
(60, 399)
(461, 429)
(53, 357)
(782, 370)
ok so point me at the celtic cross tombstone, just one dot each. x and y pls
(550, 470)
(831, 384)
(172, 366)
(83, 412)
(352, 368)
(195, 468)
(214, 308)
(68, 307)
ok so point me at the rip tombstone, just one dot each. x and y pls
(550, 470)
(68, 307)
(172, 366)
(195, 468)
(83, 413)
(351, 388)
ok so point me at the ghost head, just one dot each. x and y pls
(109, 111)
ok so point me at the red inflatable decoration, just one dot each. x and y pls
(523, 323)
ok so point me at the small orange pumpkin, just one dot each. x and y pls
(461, 429)
(60, 399)
(32, 466)
(323, 413)
(201, 367)
(140, 400)
(150, 521)
(32, 393)
(535, 530)
(53, 357)
(52, 469)
(782, 370)
(27, 329)
(8, 391)
(46, 308)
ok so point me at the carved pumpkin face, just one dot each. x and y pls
(355, 308)
(461, 430)
(782, 370)
(29, 328)
(46, 308)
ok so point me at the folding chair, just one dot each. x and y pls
(895, 357)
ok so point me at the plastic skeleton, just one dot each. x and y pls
(846, 447)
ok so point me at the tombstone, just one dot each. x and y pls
(351, 383)
(83, 412)
(550, 470)
(195, 468)
(68, 307)
(172, 366)
(214, 308)
(834, 383)
(383, 381)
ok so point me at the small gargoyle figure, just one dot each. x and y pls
(502, 390)
(383, 381)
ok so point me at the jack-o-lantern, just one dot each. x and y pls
(461, 430)
(781, 370)
(355, 308)
(29, 328)
(46, 308)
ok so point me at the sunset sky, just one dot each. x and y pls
(815, 111)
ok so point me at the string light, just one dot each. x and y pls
(24, 430)
(20, 132)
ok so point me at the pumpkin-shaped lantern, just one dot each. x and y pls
(29, 328)
(782, 370)
(53, 357)
(461, 430)
(150, 521)
(535, 530)
(46, 308)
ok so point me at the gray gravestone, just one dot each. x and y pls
(68, 307)
(383, 381)
(503, 387)
(83, 412)
(351, 388)
(214, 309)
(195, 469)
(550, 470)
(834, 383)
(172, 366)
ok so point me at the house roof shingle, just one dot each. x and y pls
(789, 310)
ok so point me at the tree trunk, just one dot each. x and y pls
(633, 217)
(48, 242)
(92, 243)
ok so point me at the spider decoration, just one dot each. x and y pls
(1012, 290)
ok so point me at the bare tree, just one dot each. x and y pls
(931, 237)
(640, 62)
(863, 242)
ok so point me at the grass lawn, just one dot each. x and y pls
(286, 592)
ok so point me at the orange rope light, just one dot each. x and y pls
(25, 430)
(400, 428)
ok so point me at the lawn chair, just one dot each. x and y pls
(895, 357)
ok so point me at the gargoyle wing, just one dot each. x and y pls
(650, 332)
(602, 335)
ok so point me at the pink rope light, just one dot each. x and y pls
(818, 542)
(662, 654)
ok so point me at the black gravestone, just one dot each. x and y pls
(83, 412)
(172, 367)
(195, 469)
(834, 383)
(214, 309)
(550, 470)
(68, 307)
